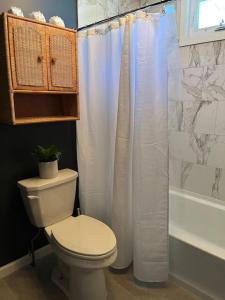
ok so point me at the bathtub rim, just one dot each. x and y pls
(203, 199)
(188, 237)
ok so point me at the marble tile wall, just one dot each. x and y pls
(90, 11)
(197, 120)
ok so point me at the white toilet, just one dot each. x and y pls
(84, 246)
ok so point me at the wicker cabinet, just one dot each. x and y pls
(27, 55)
(38, 73)
(61, 65)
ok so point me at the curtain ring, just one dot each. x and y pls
(164, 10)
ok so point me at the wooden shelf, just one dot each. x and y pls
(38, 108)
(23, 121)
(38, 22)
(44, 92)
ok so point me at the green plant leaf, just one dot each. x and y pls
(47, 154)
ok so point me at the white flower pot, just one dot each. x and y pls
(48, 170)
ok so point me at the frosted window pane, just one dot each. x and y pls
(211, 13)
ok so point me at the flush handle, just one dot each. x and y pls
(32, 198)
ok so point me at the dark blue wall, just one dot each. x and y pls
(16, 145)
(66, 9)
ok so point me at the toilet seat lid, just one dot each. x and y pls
(83, 235)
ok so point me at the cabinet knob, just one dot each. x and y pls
(53, 61)
(40, 58)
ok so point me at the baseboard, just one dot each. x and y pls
(188, 286)
(23, 261)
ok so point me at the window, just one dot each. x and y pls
(201, 21)
(211, 13)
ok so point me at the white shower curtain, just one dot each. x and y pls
(123, 137)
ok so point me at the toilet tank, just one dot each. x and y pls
(48, 201)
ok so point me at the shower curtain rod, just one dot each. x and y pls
(122, 15)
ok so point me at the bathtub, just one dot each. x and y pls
(199, 222)
(197, 242)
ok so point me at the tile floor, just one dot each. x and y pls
(34, 284)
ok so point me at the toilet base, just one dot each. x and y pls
(87, 284)
(79, 283)
(60, 280)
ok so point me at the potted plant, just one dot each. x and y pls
(47, 161)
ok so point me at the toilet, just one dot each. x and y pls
(83, 245)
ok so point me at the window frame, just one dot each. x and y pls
(188, 33)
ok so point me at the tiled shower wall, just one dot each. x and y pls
(197, 120)
(90, 11)
(196, 106)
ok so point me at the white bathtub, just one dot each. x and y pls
(197, 242)
(197, 221)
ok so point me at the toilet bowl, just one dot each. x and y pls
(93, 249)
(83, 245)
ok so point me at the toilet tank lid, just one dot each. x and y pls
(37, 184)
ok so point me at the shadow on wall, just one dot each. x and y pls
(16, 162)
(64, 9)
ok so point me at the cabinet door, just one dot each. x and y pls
(61, 60)
(27, 54)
